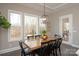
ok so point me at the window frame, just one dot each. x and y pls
(26, 14)
(16, 12)
(22, 23)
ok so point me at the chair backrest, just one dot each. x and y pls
(58, 42)
(52, 44)
(21, 46)
(45, 48)
(57, 36)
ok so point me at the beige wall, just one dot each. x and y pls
(4, 44)
(54, 22)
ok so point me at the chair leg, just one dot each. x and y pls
(53, 52)
(21, 54)
(60, 51)
(56, 52)
(33, 53)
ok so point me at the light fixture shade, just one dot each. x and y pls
(44, 17)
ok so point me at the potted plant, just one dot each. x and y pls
(4, 23)
(44, 36)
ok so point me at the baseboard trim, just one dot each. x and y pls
(9, 50)
(73, 45)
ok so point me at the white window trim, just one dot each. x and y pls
(18, 12)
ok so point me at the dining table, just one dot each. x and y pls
(37, 43)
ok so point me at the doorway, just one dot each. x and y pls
(65, 28)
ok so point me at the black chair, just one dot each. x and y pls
(52, 45)
(47, 48)
(43, 51)
(24, 50)
(58, 44)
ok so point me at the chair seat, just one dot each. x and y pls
(26, 49)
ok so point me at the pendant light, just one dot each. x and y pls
(44, 15)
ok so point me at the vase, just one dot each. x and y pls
(44, 37)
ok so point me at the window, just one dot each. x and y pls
(30, 25)
(23, 25)
(42, 25)
(15, 31)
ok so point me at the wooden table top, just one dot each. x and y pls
(35, 44)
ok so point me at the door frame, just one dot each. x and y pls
(70, 27)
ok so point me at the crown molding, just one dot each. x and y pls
(61, 5)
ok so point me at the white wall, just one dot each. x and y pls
(54, 20)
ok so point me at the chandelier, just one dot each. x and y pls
(44, 16)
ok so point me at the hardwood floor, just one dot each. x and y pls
(66, 50)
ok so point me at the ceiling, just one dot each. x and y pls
(50, 7)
